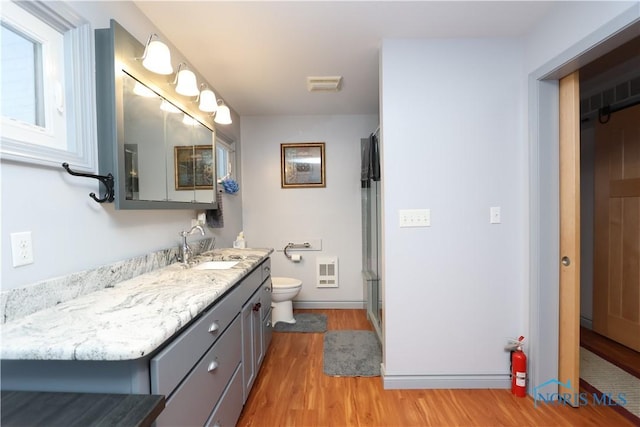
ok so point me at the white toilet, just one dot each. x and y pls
(283, 291)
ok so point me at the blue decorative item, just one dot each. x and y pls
(230, 186)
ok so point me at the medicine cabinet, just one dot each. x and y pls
(157, 144)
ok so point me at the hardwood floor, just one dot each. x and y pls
(291, 390)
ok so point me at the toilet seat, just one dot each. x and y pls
(285, 282)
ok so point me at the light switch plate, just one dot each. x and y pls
(415, 217)
(495, 215)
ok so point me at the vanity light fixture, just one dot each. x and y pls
(185, 81)
(169, 107)
(207, 100)
(223, 115)
(157, 57)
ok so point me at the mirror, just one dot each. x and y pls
(160, 149)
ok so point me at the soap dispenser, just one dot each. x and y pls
(239, 242)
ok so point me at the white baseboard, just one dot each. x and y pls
(399, 382)
(329, 304)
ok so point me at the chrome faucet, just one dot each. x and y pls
(185, 250)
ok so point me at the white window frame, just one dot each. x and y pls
(79, 97)
(228, 145)
(52, 133)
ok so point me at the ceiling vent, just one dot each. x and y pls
(324, 84)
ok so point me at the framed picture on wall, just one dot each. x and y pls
(302, 165)
(194, 167)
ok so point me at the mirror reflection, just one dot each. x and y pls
(168, 155)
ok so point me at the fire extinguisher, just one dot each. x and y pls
(519, 370)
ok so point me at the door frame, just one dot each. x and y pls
(544, 194)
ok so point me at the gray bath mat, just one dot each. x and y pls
(352, 354)
(305, 322)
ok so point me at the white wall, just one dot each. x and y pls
(272, 214)
(568, 23)
(453, 141)
(70, 231)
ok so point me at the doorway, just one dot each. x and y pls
(610, 222)
(599, 167)
(544, 193)
(611, 83)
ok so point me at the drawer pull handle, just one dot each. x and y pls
(213, 365)
(214, 327)
(267, 288)
(256, 307)
(267, 269)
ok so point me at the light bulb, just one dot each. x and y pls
(187, 84)
(157, 58)
(208, 101)
(223, 116)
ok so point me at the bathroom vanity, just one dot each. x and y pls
(196, 336)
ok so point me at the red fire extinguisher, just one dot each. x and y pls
(519, 371)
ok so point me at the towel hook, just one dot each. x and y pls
(107, 180)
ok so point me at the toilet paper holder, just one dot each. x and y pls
(291, 245)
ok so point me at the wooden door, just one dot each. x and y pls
(616, 287)
(569, 334)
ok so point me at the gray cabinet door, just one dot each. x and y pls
(252, 348)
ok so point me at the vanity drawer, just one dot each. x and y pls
(249, 284)
(266, 269)
(229, 407)
(265, 299)
(175, 361)
(195, 398)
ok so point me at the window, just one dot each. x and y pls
(32, 106)
(225, 157)
(47, 102)
(22, 94)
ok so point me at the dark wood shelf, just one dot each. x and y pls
(32, 408)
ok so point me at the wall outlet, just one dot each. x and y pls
(21, 248)
(202, 218)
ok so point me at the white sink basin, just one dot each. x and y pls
(215, 265)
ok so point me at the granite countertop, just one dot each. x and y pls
(129, 320)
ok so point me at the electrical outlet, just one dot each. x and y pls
(202, 218)
(21, 248)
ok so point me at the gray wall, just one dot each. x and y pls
(458, 138)
(273, 215)
(454, 142)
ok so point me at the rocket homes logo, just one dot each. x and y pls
(559, 399)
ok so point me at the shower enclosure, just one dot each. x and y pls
(371, 232)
